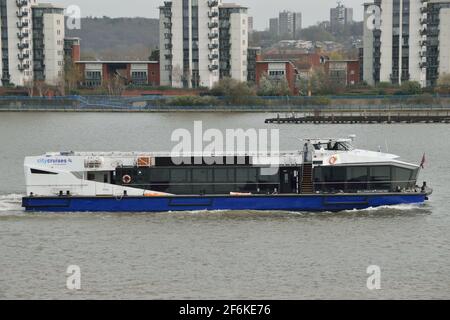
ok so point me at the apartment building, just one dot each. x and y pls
(394, 51)
(274, 26)
(201, 41)
(48, 43)
(410, 44)
(290, 23)
(16, 43)
(437, 39)
(233, 41)
(339, 17)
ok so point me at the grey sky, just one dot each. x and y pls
(261, 10)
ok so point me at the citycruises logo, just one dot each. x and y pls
(54, 161)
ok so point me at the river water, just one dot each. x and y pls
(220, 255)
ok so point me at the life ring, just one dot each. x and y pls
(126, 179)
(333, 160)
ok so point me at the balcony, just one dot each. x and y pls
(21, 3)
(213, 3)
(22, 35)
(423, 43)
(168, 46)
(22, 56)
(168, 25)
(168, 56)
(213, 46)
(423, 64)
(168, 35)
(212, 25)
(22, 24)
(213, 14)
(22, 13)
(424, 9)
(423, 20)
(23, 66)
(213, 67)
(213, 57)
(168, 4)
(423, 32)
(22, 46)
(213, 35)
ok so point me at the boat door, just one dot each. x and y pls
(289, 180)
(103, 186)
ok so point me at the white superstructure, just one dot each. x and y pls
(98, 173)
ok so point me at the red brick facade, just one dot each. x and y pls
(263, 67)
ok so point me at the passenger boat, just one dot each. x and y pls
(326, 175)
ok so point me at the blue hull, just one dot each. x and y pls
(315, 202)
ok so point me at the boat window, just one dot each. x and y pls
(36, 171)
(274, 178)
(180, 175)
(401, 177)
(248, 175)
(334, 146)
(160, 175)
(380, 178)
(202, 175)
(357, 178)
(224, 175)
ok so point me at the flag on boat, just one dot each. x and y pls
(422, 163)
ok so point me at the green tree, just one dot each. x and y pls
(411, 87)
(154, 55)
(234, 91)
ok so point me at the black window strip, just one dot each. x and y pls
(36, 171)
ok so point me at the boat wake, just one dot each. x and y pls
(11, 203)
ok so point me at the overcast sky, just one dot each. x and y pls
(261, 10)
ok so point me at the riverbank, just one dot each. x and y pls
(394, 103)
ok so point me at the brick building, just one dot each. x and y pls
(344, 72)
(278, 70)
(132, 72)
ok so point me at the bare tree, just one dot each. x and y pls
(29, 85)
(72, 75)
(114, 86)
(41, 87)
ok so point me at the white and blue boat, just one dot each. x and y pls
(326, 175)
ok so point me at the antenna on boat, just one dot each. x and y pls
(387, 148)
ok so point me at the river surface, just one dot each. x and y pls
(220, 255)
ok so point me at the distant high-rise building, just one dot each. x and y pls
(297, 23)
(290, 23)
(340, 16)
(274, 26)
(286, 21)
(200, 40)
